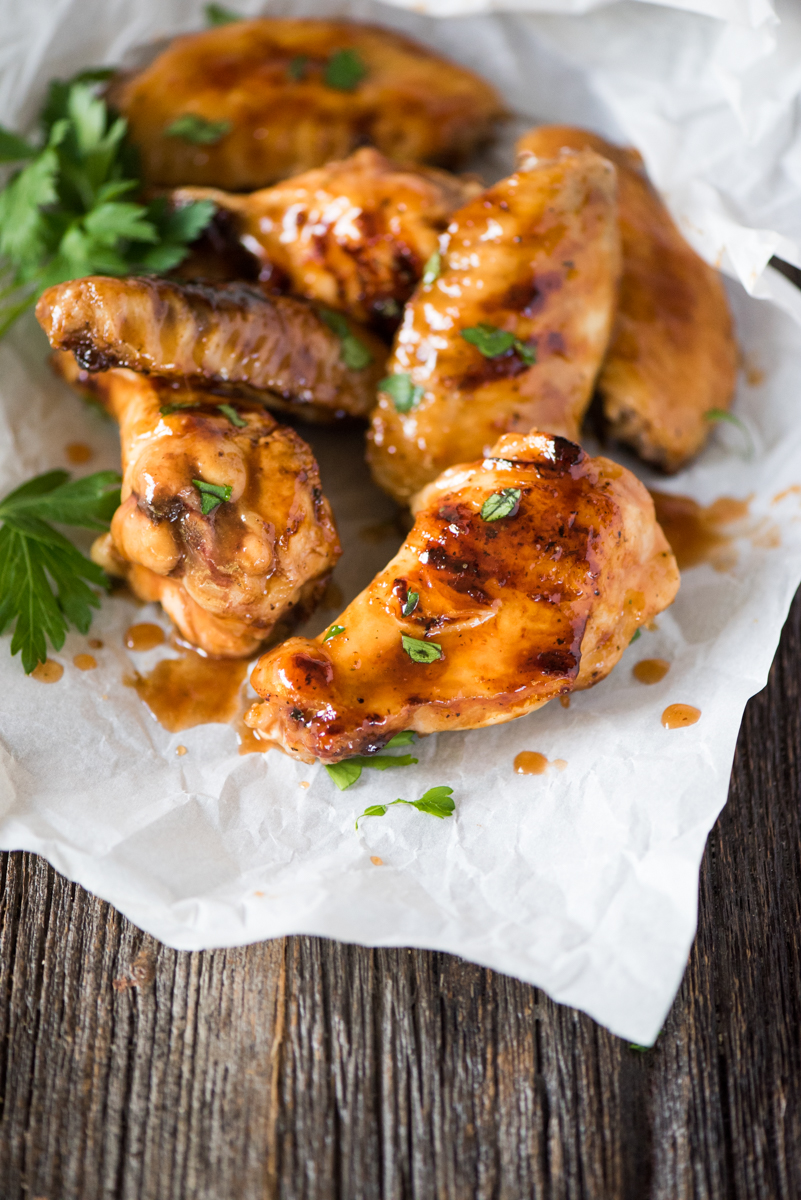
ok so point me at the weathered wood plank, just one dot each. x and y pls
(305, 1068)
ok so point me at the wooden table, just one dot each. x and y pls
(306, 1068)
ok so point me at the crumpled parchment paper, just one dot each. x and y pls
(583, 881)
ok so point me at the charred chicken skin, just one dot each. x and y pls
(222, 519)
(230, 336)
(477, 620)
(355, 235)
(673, 355)
(512, 333)
(271, 98)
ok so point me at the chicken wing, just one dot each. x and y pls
(524, 577)
(222, 519)
(230, 336)
(252, 102)
(512, 334)
(354, 234)
(673, 355)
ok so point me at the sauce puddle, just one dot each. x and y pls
(144, 637)
(695, 532)
(530, 762)
(678, 716)
(650, 670)
(192, 690)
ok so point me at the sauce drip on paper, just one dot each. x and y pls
(677, 716)
(49, 671)
(144, 637)
(650, 670)
(696, 533)
(530, 762)
(192, 690)
(85, 662)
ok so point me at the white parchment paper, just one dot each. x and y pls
(582, 881)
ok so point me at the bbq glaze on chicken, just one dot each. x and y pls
(252, 102)
(230, 336)
(222, 519)
(512, 334)
(673, 355)
(525, 577)
(355, 235)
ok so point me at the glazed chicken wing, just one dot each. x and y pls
(524, 577)
(511, 335)
(673, 356)
(229, 335)
(222, 517)
(246, 104)
(354, 234)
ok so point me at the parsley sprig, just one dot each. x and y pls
(436, 802)
(491, 341)
(405, 395)
(344, 774)
(68, 211)
(44, 580)
(353, 352)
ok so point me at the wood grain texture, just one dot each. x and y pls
(307, 1068)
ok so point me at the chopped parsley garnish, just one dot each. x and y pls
(432, 269)
(421, 652)
(296, 67)
(501, 504)
(411, 602)
(212, 494)
(436, 802)
(345, 70)
(353, 352)
(67, 212)
(405, 395)
(196, 129)
(492, 342)
(217, 14)
(233, 416)
(717, 415)
(44, 580)
(637, 634)
(333, 631)
(344, 774)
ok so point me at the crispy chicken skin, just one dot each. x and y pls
(537, 256)
(524, 608)
(257, 561)
(267, 79)
(354, 234)
(673, 355)
(228, 335)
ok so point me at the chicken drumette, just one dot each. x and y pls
(673, 356)
(252, 102)
(512, 334)
(524, 577)
(354, 234)
(222, 518)
(230, 336)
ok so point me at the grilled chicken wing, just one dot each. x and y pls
(503, 614)
(529, 271)
(227, 571)
(673, 355)
(279, 351)
(354, 234)
(276, 97)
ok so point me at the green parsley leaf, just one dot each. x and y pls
(637, 634)
(13, 148)
(717, 415)
(436, 802)
(198, 130)
(353, 352)
(217, 14)
(345, 70)
(212, 494)
(233, 416)
(345, 773)
(405, 738)
(44, 580)
(492, 342)
(432, 269)
(640, 1049)
(167, 410)
(333, 631)
(412, 600)
(405, 395)
(421, 652)
(296, 67)
(501, 504)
